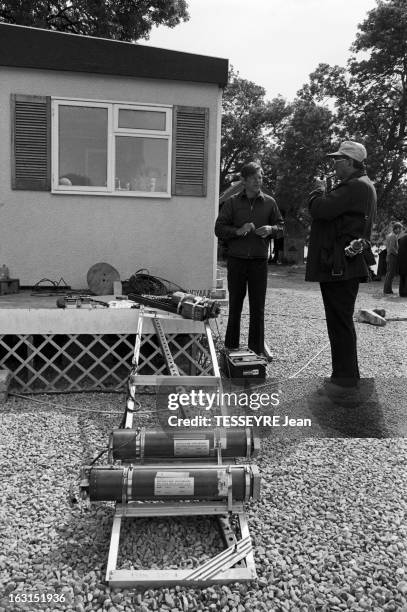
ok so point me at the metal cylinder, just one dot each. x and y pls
(130, 444)
(143, 483)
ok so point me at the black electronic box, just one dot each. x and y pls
(244, 364)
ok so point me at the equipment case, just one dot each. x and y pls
(244, 364)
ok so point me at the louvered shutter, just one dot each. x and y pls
(190, 151)
(30, 146)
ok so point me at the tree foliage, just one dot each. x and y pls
(249, 121)
(127, 20)
(300, 156)
(365, 101)
(290, 141)
(370, 98)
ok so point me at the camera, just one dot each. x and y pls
(355, 247)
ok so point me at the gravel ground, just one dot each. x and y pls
(329, 531)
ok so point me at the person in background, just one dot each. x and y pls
(391, 257)
(381, 264)
(278, 247)
(344, 214)
(402, 265)
(246, 223)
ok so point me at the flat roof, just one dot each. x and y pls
(26, 47)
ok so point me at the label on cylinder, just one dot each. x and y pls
(191, 448)
(173, 483)
(222, 483)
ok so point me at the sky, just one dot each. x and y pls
(275, 43)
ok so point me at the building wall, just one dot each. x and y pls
(45, 235)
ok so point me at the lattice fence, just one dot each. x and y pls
(77, 362)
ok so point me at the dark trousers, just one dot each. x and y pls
(251, 275)
(339, 301)
(391, 273)
(403, 285)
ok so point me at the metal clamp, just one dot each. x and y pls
(124, 487)
(230, 492)
(248, 442)
(130, 483)
(248, 481)
(142, 443)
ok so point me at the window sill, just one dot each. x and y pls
(119, 194)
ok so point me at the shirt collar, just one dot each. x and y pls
(355, 174)
(260, 195)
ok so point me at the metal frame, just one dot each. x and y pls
(175, 376)
(234, 564)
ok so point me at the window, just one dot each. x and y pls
(108, 148)
(100, 147)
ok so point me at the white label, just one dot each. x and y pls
(250, 372)
(174, 486)
(222, 483)
(191, 448)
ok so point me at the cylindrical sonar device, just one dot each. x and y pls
(143, 483)
(134, 444)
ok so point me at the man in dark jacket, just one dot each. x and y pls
(246, 223)
(344, 214)
(402, 264)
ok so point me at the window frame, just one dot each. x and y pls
(113, 107)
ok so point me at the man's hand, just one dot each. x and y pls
(245, 229)
(319, 185)
(264, 231)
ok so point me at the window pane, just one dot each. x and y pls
(141, 120)
(141, 164)
(82, 146)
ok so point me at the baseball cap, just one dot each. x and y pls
(351, 149)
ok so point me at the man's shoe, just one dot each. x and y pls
(336, 389)
(347, 396)
(267, 357)
(388, 292)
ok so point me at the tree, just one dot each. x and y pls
(248, 123)
(370, 98)
(300, 156)
(127, 20)
(290, 141)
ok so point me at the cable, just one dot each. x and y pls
(117, 391)
(280, 380)
(98, 456)
(281, 314)
(308, 362)
(28, 397)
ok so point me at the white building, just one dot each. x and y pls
(109, 151)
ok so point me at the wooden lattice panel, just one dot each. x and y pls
(76, 362)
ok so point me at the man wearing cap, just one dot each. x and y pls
(339, 216)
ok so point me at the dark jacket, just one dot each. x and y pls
(345, 213)
(237, 211)
(402, 256)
